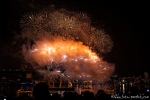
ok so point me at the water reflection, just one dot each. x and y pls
(15, 89)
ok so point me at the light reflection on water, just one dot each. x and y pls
(7, 90)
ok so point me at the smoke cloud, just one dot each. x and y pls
(64, 43)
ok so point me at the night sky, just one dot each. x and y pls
(126, 22)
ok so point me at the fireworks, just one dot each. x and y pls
(69, 25)
(65, 43)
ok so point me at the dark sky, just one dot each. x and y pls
(125, 21)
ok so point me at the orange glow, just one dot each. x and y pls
(78, 60)
(60, 49)
(65, 43)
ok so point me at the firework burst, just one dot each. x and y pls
(66, 43)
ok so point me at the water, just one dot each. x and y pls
(12, 90)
